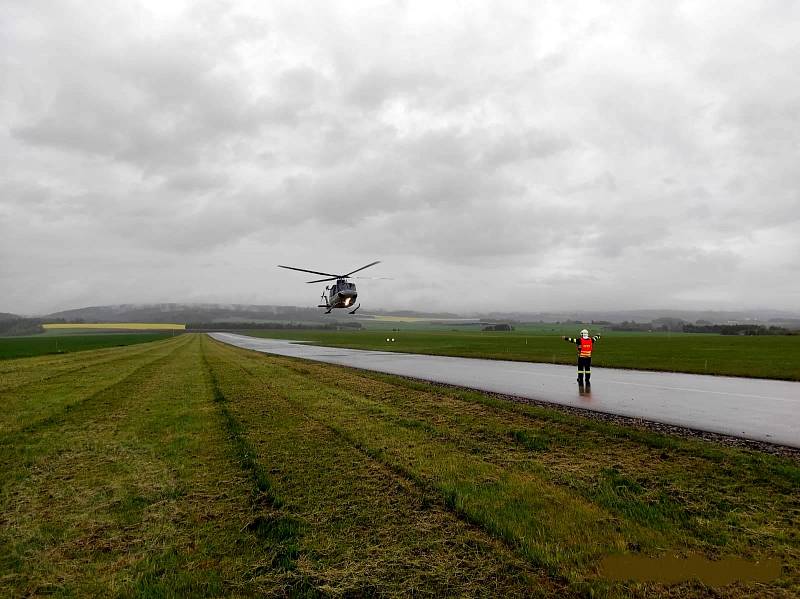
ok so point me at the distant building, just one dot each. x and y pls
(498, 327)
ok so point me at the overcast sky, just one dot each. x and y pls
(495, 156)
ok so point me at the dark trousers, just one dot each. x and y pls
(584, 369)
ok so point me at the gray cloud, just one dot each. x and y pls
(638, 156)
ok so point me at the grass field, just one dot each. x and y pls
(24, 347)
(188, 467)
(775, 357)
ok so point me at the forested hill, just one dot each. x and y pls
(174, 312)
(207, 313)
(13, 325)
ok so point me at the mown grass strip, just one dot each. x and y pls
(550, 424)
(609, 449)
(214, 471)
(512, 505)
(75, 409)
(26, 371)
(659, 494)
(43, 399)
(244, 452)
(274, 527)
(369, 531)
(135, 496)
(26, 347)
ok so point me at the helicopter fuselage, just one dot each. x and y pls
(341, 294)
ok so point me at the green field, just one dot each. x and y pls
(25, 347)
(776, 357)
(192, 468)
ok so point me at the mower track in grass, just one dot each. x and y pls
(193, 468)
(135, 494)
(24, 372)
(561, 490)
(39, 345)
(44, 399)
(353, 526)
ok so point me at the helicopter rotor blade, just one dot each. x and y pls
(323, 280)
(313, 272)
(374, 278)
(362, 268)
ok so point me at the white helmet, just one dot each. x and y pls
(585, 334)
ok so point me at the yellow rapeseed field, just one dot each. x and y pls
(400, 319)
(127, 326)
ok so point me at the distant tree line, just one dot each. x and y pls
(737, 329)
(677, 325)
(20, 326)
(498, 327)
(201, 313)
(631, 326)
(67, 321)
(296, 326)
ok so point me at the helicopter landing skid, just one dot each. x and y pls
(353, 311)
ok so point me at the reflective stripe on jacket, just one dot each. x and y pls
(584, 345)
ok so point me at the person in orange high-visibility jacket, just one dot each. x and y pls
(585, 345)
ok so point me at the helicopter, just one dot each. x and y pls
(341, 294)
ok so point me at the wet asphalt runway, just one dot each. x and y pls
(762, 410)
